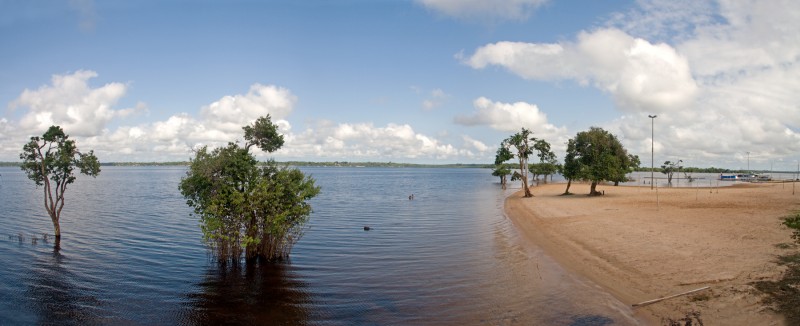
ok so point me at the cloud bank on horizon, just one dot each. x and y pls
(722, 78)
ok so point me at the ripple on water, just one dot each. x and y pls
(133, 254)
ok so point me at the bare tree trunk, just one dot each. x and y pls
(569, 183)
(527, 190)
(524, 175)
(50, 206)
(57, 228)
(57, 245)
(593, 190)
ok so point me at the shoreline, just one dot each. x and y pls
(640, 248)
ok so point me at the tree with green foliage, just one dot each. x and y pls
(500, 168)
(548, 165)
(596, 155)
(793, 222)
(669, 168)
(49, 161)
(629, 164)
(521, 141)
(542, 148)
(259, 210)
(572, 168)
(543, 169)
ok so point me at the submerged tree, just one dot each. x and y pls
(49, 161)
(669, 168)
(521, 142)
(500, 168)
(245, 207)
(596, 155)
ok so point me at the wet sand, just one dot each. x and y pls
(640, 247)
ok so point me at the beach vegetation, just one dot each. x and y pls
(572, 166)
(50, 161)
(690, 318)
(596, 155)
(521, 142)
(543, 169)
(548, 165)
(793, 222)
(246, 207)
(700, 297)
(629, 164)
(783, 295)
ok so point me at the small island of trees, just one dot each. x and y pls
(248, 208)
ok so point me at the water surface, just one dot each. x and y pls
(131, 253)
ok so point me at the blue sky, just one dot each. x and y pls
(433, 81)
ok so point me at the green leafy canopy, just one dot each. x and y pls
(49, 161)
(259, 210)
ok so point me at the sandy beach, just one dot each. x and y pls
(640, 247)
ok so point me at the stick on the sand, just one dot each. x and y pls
(669, 297)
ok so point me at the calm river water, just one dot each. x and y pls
(132, 254)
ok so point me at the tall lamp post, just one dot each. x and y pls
(748, 164)
(652, 148)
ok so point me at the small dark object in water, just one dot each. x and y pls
(367, 228)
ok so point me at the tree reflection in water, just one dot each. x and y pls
(265, 294)
(56, 295)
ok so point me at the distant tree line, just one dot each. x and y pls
(690, 169)
(303, 163)
(177, 163)
(384, 164)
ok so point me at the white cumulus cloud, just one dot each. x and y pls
(476, 144)
(230, 113)
(510, 117)
(745, 59)
(365, 141)
(85, 111)
(70, 102)
(639, 75)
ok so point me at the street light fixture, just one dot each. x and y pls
(748, 164)
(652, 148)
